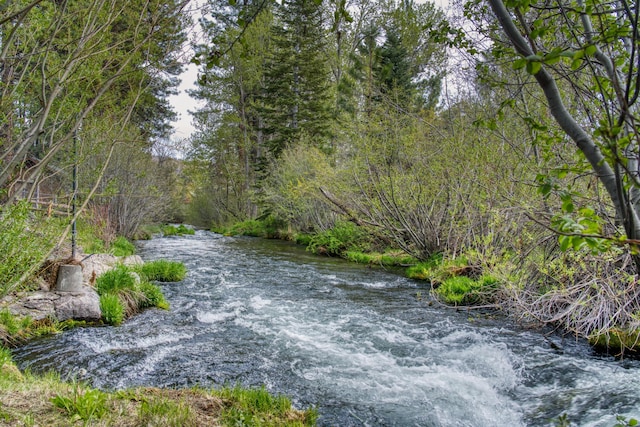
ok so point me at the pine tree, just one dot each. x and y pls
(296, 97)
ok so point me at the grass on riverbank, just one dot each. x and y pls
(125, 291)
(31, 400)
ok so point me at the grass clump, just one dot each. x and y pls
(462, 290)
(16, 329)
(87, 405)
(112, 309)
(257, 407)
(387, 259)
(180, 230)
(122, 247)
(164, 271)
(123, 293)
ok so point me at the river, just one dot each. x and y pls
(355, 342)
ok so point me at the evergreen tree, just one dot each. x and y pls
(296, 95)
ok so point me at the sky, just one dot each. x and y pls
(182, 103)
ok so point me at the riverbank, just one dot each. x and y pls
(46, 400)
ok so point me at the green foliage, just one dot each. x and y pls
(623, 422)
(121, 246)
(616, 340)
(154, 296)
(268, 227)
(390, 259)
(162, 412)
(112, 309)
(163, 270)
(180, 230)
(462, 290)
(90, 404)
(24, 241)
(257, 407)
(425, 270)
(344, 236)
(117, 279)
(122, 294)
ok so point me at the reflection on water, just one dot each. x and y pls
(351, 340)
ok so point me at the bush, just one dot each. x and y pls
(164, 271)
(112, 309)
(462, 290)
(122, 247)
(25, 239)
(344, 236)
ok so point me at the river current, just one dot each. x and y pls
(363, 345)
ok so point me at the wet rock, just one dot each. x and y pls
(81, 305)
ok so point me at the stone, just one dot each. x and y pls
(82, 305)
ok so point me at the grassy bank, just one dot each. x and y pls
(32, 400)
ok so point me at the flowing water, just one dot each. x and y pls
(355, 342)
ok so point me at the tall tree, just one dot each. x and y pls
(296, 95)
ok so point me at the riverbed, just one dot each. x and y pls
(366, 346)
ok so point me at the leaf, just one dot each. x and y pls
(519, 63)
(533, 67)
(575, 64)
(564, 241)
(590, 50)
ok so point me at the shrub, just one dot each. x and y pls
(164, 271)
(122, 247)
(112, 309)
(25, 239)
(344, 236)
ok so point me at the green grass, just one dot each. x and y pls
(115, 280)
(462, 290)
(15, 329)
(46, 400)
(87, 404)
(388, 259)
(125, 291)
(257, 407)
(122, 247)
(163, 271)
(172, 230)
(112, 309)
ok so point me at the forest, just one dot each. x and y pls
(491, 146)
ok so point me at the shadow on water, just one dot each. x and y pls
(351, 340)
